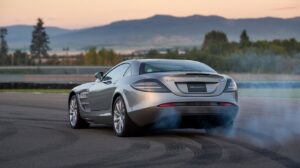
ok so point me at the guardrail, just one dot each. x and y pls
(45, 85)
(52, 69)
(28, 85)
(269, 84)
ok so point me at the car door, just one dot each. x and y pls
(100, 94)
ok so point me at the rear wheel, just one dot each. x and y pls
(74, 116)
(123, 126)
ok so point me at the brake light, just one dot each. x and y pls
(167, 105)
(225, 104)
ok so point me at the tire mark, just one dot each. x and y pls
(68, 139)
(107, 161)
(202, 155)
(212, 151)
(276, 157)
(275, 145)
(236, 157)
(9, 130)
(172, 149)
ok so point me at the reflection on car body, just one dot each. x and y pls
(156, 93)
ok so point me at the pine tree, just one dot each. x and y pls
(244, 39)
(215, 42)
(3, 46)
(40, 40)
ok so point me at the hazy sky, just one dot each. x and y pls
(85, 13)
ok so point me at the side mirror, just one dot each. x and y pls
(99, 75)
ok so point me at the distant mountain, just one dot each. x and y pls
(19, 36)
(162, 31)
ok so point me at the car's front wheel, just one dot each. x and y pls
(74, 116)
(123, 126)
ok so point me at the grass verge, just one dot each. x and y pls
(37, 90)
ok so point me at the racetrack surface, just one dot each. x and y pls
(34, 132)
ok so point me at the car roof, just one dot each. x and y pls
(151, 60)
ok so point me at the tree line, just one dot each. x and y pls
(262, 56)
(102, 57)
(38, 49)
(39, 52)
(276, 56)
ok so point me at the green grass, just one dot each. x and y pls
(270, 93)
(37, 90)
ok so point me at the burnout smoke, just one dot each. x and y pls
(168, 118)
(268, 119)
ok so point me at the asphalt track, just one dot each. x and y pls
(34, 132)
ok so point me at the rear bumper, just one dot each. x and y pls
(143, 107)
(184, 116)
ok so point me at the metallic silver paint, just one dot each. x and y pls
(142, 107)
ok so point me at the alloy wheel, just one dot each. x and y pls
(73, 110)
(119, 116)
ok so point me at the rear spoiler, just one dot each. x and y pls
(200, 74)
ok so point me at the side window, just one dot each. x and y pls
(116, 74)
(128, 72)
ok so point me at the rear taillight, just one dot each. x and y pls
(150, 85)
(230, 86)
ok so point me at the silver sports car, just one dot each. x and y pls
(155, 93)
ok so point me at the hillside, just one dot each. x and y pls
(159, 31)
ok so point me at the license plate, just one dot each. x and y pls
(196, 87)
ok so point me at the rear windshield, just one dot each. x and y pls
(174, 66)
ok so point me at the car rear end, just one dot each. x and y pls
(183, 99)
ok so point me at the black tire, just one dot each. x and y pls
(74, 113)
(128, 128)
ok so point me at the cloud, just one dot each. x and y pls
(286, 8)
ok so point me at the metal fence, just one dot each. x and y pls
(52, 69)
(49, 74)
(68, 76)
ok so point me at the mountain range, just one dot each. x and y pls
(159, 31)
